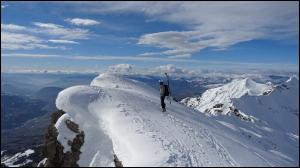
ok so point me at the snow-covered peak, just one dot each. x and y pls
(219, 100)
(240, 87)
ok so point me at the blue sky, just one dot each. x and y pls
(198, 35)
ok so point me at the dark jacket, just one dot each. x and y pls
(162, 90)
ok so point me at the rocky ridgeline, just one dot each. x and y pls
(52, 151)
(219, 108)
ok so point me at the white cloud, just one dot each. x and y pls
(216, 25)
(123, 68)
(102, 57)
(177, 42)
(47, 25)
(130, 58)
(7, 37)
(150, 54)
(63, 41)
(16, 37)
(82, 22)
(61, 31)
(16, 41)
(4, 6)
(15, 46)
(12, 27)
(13, 41)
(181, 56)
(172, 69)
(159, 70)
(22, 55)
(188, 42)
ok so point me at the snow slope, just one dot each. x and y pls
(276, 118)
(123, 116)
(223, 96)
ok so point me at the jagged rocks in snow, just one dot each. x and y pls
(72, 126)
(53, 150)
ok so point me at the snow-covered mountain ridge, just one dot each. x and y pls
(123, 117)
(219, 100)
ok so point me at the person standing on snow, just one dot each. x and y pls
(162, 91)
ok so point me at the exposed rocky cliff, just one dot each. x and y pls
(53, 150)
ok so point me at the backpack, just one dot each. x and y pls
(167, 92)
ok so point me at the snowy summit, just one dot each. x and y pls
(220, 99)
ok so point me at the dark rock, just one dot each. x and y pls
(218, 105)
(218, 110)
(53, 150)
(72, 126)
(267, 92)
(118, 163)
(56, 115)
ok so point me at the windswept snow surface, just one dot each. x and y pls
(123, 116)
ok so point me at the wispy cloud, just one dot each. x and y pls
(82, 22)
(12, 27)
(95, 57)
(189, 42)
(209, 24)
(16, 41)
(181, 56)
(150, 54)
(63, 41)
(61, 31)
(47, 25)
(22, 55)
(39, 36)
(121, 68)
(7, 37)
(3, 6)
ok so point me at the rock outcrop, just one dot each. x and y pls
(53, 150)
(118, 163)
